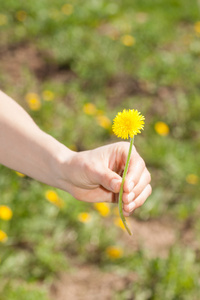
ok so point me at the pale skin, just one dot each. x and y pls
(91, 176)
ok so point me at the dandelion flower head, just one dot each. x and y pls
(103, 209)
(84, 217)
(162, 128)
(114, 252)
(5, 213)
(128, 123)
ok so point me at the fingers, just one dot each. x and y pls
(139, 201)
(135, 171)
(137, 190)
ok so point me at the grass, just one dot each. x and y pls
(77, 53)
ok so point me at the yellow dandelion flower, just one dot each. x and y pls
(21, 15)
(53, 197)
(89, 109)
(67, 9)
(84, 217)
(128, 40)
(197, 27)
(114, 252)
(161, 128)
(104, 121)
(33, 101)
(20, 174)
(5, 213)
(3, 236)
(48, 95)
(3, 19)
(192, 179)
(118, 222)
(128, 123)
(103, 209)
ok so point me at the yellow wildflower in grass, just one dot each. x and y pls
(67, 9)
(89, 109)
(53, 197)
(127, 124)
(5, 213)
(104, 121)
(33, 101)
(20, 174)
(3, 236)
(161, 128)
(48, 95)
(197, 27)
(192, 179)
(128, 40)
(3, 19)
(21, 15)
(103, 209)
(114, 252)
(84, 217)
(118, 222)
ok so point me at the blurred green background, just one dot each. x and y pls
(73, 65)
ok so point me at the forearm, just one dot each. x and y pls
(24, 147)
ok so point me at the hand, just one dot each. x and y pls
(95, 176)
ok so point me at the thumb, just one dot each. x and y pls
(109, 180)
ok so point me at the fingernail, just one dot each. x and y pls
(114, 184)
(131, 185)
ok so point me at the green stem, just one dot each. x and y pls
(122, 187)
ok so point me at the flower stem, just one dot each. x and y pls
(122, 186)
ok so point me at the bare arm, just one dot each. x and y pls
(91, 176)
(24, 147)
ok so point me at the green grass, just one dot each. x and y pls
(80, 58)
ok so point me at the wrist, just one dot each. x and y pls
(62, 167)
